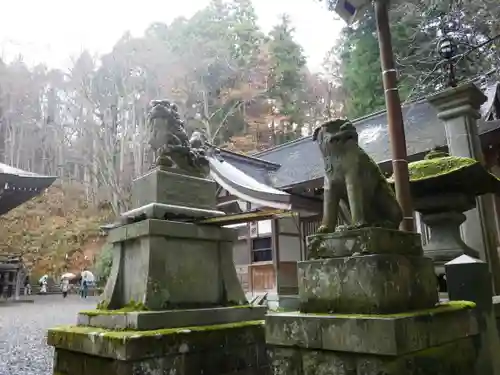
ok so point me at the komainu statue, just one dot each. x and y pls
(170, 142)
(354, 180)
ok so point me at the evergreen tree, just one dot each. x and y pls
(248, 38)
(286, 79)
(416, 28)
(361, 69)
(361, 77)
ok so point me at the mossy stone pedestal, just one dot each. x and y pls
(364, 271)
(166, 264)
(231, 349)
(443, 214)
(173, 303)
(371, 312)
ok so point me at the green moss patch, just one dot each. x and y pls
(441, 308)
(124, 335)
(134, 307)
(434, 167)
(102, 309)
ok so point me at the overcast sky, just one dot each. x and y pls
(52, 31)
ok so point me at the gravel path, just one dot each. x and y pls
(23, 329)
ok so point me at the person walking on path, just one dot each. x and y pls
(84, 288)
(27, 286)
(43, 289)
(65, 287)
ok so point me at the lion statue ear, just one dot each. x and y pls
(315, 132)
(347, 125)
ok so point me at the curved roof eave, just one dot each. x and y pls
(18, 186)
(247, 188)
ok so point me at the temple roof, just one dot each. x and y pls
(18, 186)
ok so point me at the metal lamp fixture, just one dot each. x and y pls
(447, 49)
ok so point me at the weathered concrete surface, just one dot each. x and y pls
(216, 350)
(363, 241)
(396, 334)
(378, 284)
(160, 186)
(165, 264)
(151, 320)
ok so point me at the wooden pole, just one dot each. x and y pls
(394, 116)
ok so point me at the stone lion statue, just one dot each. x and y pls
(170, 142)
(354, 180)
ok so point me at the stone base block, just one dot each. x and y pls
(150, 320)
(166, 265)
(230, 349)
(368, 284)
(435, 341)
(396, 334)
(169, 187)
(363, 241)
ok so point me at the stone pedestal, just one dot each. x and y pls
(443, 215)
(166, 194)
(169, 186)
(377, 283)
(165, 264)
(458, 108)
(369, 307)
(173, 303)
(230, 349)
(370, 270)
(438, 341)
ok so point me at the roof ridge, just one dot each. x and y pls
(280, 146)
(417, 100)
(301, 139)
(250, 157)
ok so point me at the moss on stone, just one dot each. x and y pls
(316, 245)
(98, 312)
(462, 304)
(103, 305)
(129, 334)
(137, 307)
(102, 309)
(441, 308)
(438, 166)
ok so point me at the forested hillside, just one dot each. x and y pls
(56, 231)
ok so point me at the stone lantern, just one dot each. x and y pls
(443, 187)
